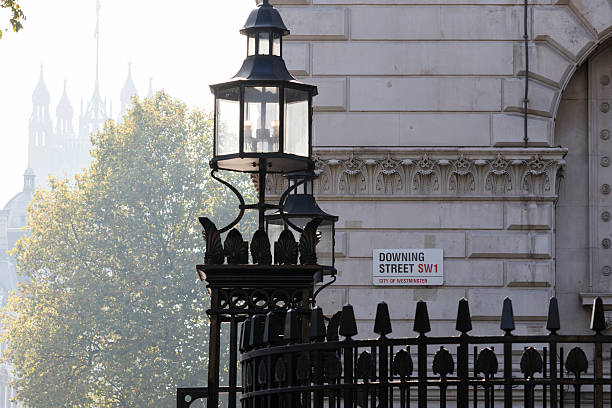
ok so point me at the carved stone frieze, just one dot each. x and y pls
(436, 172)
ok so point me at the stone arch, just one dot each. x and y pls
(583, 226)
(567, 35)
(563, 37)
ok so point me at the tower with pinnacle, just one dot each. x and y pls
(127, 92)
(92, 119)
(58, 150)
(41, 139)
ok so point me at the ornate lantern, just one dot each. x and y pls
(298, 211)
(263, 115)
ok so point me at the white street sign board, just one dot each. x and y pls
(408, 267)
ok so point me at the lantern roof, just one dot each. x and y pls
(264, 17)
(303, 205)
(264, 68)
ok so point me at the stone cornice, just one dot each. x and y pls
(435, 173)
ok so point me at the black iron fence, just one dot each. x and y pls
(292, 359)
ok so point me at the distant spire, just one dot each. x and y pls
(64, 107)
(95, 114)
(40, 129)
(127, 92)
(150, 94)
(97, 36)
(64, 114)
(41, 93)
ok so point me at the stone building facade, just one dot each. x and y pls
(420, 143)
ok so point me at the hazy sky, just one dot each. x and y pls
(184, 45)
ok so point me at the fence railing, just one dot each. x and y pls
(291, 359)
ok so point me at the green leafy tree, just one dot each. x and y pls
(17, 15)
(112, 314)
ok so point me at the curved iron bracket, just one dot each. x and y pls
(240, 198)
(281, 206)
(314, 296)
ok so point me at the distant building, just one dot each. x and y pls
(54, 149)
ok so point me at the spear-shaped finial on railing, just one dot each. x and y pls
(245, 335)
(268, 329)
(421, 319)
(317, 324)
(598, 319)
(507, 318)
(464, 319)
(257, 330)
(273, 328)
(382, 322)
(348, 325)
(553, 323)
(292, 326)
(333, 326)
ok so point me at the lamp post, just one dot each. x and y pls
(262, 125)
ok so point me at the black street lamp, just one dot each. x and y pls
(263, 124)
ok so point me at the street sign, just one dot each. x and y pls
(408, 267)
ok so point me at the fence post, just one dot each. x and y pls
(507, 325)
(422, 326)
(233, 363)
(348, 329)
(317, 335)
(463, 325)
(214, 351)
(382, 327)
(598, 323)
(291, 335)
(553, 324)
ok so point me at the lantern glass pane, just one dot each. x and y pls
(227, 123)
(304, 188)
(261, 119)
(264, 43)
(276, 45)
(325, 246)
(251, 45)
(296, 122)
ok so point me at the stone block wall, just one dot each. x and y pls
(418, 134)
(419, 73)
(491, 213)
